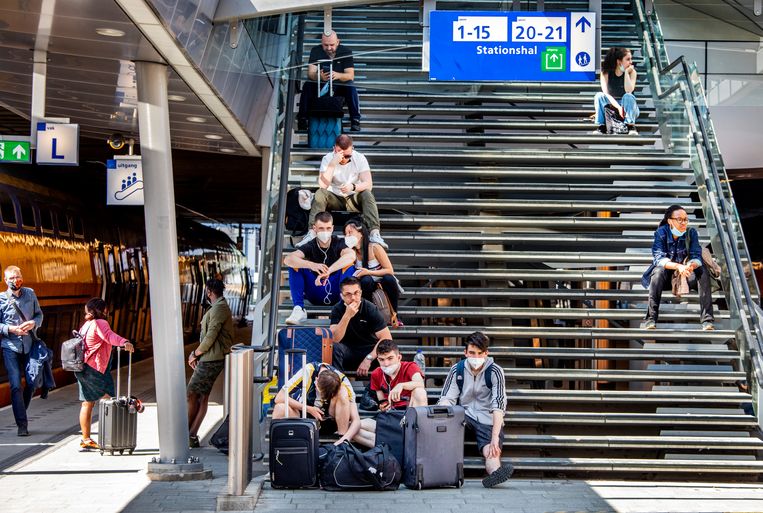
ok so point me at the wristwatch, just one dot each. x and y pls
(369, 357)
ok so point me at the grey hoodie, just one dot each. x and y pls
(477, 399)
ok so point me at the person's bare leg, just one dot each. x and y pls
(367, 434)
(86, 418)
(200, 414)
(340, 410)
(193, 408)
(279, 412)
(418, 398)
(491, 464)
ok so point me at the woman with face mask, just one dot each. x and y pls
(676, 249)
(618, 81)
(372, 264)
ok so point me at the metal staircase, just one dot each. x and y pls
(505, 214)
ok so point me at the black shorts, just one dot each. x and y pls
(483, 433)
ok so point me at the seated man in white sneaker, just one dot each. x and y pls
(398, 385)
(345, 184)
(317, 268)
(478, 384)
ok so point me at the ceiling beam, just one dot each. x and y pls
(228, 10)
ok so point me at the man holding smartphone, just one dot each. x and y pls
(334, 63)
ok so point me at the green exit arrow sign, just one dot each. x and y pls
(15, 151)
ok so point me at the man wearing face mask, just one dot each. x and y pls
(208, 359)
(398, 385)
(317, 268)
(20, 316)
(477, 383)
(676, 249)
(345, 183)
(357, 326)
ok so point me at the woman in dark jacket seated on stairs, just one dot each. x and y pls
(373, 264)
(676, 249)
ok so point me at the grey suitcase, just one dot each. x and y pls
(117, 422)
(434, 447)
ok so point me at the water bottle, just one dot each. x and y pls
(419, 360)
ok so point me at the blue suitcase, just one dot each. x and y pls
(316, 341)
(322, 132)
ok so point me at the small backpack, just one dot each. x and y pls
(73, 353)
(382, 302)
(461, 367)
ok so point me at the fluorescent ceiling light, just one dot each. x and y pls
(213, 137)
(109, 32)
(227, 150)
(196, 119)
(175, 98)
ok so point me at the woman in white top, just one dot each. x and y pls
(372, 263)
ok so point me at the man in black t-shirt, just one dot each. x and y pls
(357, 327)
(317, 268)
(329, 52)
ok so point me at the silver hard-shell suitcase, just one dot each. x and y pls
(117, 422)
(434, 447)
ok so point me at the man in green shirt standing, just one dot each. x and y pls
(208, 359)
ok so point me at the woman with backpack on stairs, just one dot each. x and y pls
(618, 81)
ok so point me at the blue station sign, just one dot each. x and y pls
(505, 46)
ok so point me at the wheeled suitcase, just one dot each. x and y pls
(390, 432)
(294, 443)
(434, 447)
(325, 115)
(117, 422)
(315, 341)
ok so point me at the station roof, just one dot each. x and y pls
(91, 47)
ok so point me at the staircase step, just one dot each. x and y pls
(638, 442)
(634, 419)
(624, 465)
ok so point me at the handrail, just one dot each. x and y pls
(719, 209)
(295, 75)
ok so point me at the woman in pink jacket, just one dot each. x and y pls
(95, 379)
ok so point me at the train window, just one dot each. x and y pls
(46, 219)
(78, 228)
(7, 210)
(63, 223)
(27, 214)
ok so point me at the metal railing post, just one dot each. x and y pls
(261, 381)
(226, 387)
(241, 376)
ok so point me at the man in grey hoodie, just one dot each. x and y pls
(478, 384)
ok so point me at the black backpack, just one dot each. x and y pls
(346, 468)
(296, 216)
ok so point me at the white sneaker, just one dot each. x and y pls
(307, 238)
(377, 239)
(632, 131)
(298, 316)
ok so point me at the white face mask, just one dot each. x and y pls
(324, 237)
(476, 363)
(622, 68)
(351, 241)
(391, 369)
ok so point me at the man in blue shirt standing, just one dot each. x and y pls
(20, 315)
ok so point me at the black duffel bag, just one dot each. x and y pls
(346, 468)
(220, 438)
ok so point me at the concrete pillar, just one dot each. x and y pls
(164, 285)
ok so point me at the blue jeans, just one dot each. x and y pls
(628, 103)
(15, 365)
(302, 286)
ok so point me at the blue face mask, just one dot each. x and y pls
(677, 233)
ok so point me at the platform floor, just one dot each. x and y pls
(47, 473)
